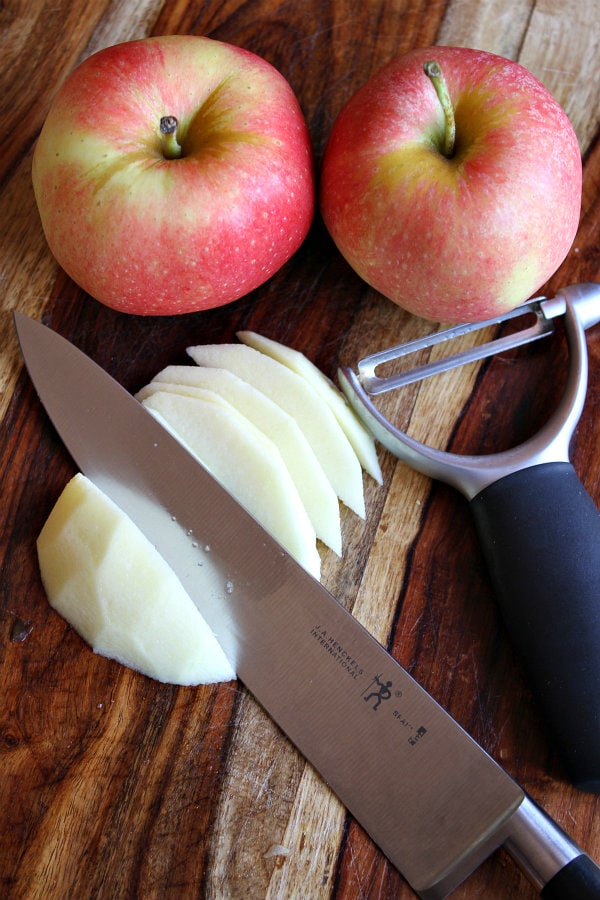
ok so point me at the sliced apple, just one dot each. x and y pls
(111, 584)
(316, 493)
(298, 398)
(246, 462)
(360, 439)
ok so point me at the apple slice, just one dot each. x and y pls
(245, 462)
(316, 493)
(360, 439)
(113, 587)
(303, 403)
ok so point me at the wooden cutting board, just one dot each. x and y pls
(114, 786)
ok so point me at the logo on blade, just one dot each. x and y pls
(380, 689)
(342, 656)
(377, 691)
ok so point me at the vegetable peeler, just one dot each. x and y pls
(538, 527)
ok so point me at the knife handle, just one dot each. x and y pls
(540, 533)
(579, 880)
(553, 862)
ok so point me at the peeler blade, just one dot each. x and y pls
(542, 326)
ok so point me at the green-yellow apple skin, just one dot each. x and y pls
(464, 237)
(152, 235)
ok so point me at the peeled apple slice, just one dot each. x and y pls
(113, 587)
(360, 439)
(316, 493)
(245, 462)
(303, 403)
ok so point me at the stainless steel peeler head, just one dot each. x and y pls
(580, 306)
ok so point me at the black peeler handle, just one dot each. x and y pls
(540, 532)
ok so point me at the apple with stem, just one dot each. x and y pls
(173, 174)
(451, 182)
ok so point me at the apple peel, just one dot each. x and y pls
(106, 579)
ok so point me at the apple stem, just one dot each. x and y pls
(171, 147)
(433, 70)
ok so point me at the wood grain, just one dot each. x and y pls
(114, 786)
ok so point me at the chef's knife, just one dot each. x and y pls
(430, 797)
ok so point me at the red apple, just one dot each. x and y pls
(463, 232)
(173, 174)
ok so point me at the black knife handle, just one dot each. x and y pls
(540, 533)
(578, 880)
(552, 861)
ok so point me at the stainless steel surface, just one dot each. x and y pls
(375, 384)
(586, 303)
(471, 474)
(537, 845)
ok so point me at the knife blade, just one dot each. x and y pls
(429, 796)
